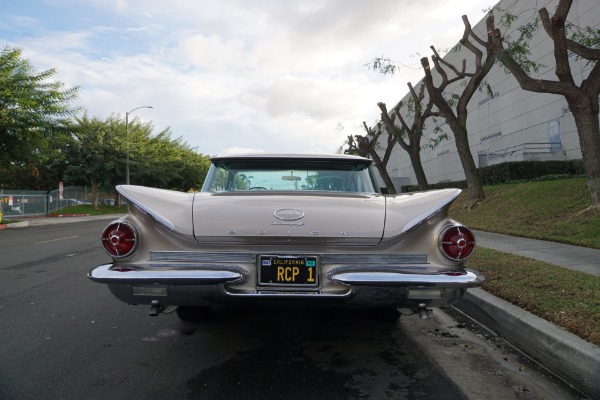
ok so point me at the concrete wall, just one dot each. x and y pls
(511, 125)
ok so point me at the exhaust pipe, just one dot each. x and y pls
(155, 308)
(423, 311)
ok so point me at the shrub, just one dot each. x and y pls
(517, 171)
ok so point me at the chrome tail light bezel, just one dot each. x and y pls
(456, 242)
(111, 240)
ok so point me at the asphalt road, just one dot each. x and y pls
(64, 337)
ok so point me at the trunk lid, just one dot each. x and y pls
(299, 218)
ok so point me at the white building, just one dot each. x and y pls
(513, 124)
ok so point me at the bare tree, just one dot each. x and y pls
(582, 99)
(457, 120)
(413, 133)
(353, 148)
(367, 146)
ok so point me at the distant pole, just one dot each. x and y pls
(127, 139)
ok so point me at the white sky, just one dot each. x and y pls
(236, 75)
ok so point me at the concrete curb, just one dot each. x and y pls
(567, 355)
(21, 224)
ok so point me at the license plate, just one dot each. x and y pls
(288, 270)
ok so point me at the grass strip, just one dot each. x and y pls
(89, 209)
(569, 299)
(550, 210)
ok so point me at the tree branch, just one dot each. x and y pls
(391, 128)
(525, 81)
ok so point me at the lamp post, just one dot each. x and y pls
(127, 138)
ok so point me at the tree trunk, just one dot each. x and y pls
(94, 194)
(389, 184)
(476, 194)
(458, 122)
(588, 130)
(366, 145)
(415, 158)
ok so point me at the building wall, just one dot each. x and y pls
(513, 124)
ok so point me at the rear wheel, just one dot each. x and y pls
(191, 313)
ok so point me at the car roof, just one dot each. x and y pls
(291, 156)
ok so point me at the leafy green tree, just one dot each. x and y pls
(97, 152)
(34, 111)
(162, 161)
(93, 155)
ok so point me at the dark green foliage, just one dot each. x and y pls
(34, 110)
(42, 141)
(97, 153)
(383, 65)
(517, 171)
(528, 170)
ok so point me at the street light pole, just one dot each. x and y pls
(127, 139)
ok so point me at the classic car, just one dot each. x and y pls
(287, 230)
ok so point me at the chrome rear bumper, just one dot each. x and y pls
(207, 274)
(359, 276)
(205, 284)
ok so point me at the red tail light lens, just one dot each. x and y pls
(120, 239)
(457, 242)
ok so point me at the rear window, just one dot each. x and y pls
(278, 175)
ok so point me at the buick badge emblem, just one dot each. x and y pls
(288, 214)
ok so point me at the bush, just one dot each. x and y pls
(528, 170)
(517, 171)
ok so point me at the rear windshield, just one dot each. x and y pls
(253, 175)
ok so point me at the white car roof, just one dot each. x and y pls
(297, 156)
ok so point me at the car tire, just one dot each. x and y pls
(191, 313)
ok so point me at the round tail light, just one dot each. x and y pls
(457, 242)
(120, 239)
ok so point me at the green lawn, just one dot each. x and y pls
(88, 209)
(552, 210)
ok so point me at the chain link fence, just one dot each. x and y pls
(31, 203)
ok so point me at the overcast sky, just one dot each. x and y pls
(232, 76)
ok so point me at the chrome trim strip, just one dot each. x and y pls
(168, 274)
(264, 241)
(156, 216)
(432, 211)
(317, 296)
(374, 259)
(346, 258)
(395, 277)
(197, 256)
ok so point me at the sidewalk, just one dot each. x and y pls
(568, 356)
(573, 257)
(67, 219)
